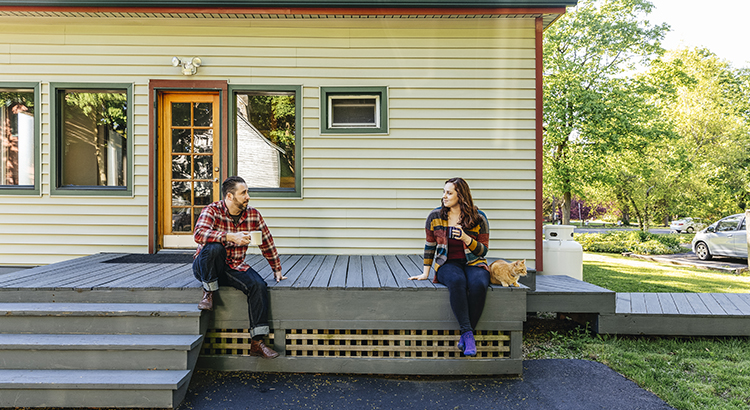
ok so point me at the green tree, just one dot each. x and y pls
(708, 103)
(590, 111)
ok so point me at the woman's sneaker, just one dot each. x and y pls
(470, 347)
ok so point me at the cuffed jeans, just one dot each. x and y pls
(467, 287)
(211, 269)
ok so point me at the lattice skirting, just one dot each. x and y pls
(428, 344)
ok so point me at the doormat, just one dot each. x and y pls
(154, 258)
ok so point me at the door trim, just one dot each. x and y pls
(155, 88)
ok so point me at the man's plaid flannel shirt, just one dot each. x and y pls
(213, 224)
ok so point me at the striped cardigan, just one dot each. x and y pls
(436, 246)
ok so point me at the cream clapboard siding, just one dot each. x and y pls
(461, 103)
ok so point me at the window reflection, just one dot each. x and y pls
(93, 140)
(266, 139)
(17, 137)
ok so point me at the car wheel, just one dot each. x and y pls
(690, 230)
(702, 252)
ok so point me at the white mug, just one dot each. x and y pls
(256, 238)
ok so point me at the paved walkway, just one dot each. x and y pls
(728, 265)
(552, 384)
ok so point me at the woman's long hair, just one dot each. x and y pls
(469, 213)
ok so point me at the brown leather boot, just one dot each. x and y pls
(207, 303)
(258, 348)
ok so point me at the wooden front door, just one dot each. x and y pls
(188, 163)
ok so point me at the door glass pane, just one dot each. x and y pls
(203, 193)
(203, 167)
(181, 167)
(204, 114)
(181, 193)
(180, 114)
(17, 137)
(204, 141)
(181, 220)
(181, 140)
(266, 139)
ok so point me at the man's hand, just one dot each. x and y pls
(239, 238)
(278, 276)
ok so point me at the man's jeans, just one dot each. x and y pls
(467, 287)
(211, 269)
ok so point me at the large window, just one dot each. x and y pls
(354, 110)
(91, 139)
(266, 139)
(18, 139)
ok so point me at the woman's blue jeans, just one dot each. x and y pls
(211, 269)
(467, 287)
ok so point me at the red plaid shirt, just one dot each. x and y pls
(213, 224)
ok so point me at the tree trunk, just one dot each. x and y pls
(566, 208)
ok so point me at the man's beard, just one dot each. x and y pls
(242, 207)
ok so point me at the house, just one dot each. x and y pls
(120, 120)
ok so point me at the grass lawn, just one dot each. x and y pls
(687, 373)
(621, 277)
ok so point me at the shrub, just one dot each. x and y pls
(640, 242)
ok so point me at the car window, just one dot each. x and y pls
(728, 224)
(742, 227)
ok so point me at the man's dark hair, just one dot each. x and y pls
(230, 185)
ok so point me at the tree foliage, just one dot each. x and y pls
(590, 111)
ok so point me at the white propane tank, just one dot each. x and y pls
(562, 255)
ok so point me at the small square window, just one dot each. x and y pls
(354, 110)
(19, 139)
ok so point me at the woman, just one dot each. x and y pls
(457, 242)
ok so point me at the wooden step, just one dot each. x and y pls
(92, 388)
(100, 318)
(98, 352)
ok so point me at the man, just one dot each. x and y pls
(223, 233)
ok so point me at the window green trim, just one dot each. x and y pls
(25, 189)
(326, 92)
(295, 192)
(55, 141)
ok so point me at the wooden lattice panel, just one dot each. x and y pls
(427, 344)
(230, 342)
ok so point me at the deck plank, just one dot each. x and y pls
(400, 275)
(370, 279)
(638, 303)
(668, 306)
(311, 271)
(713, 306)
(697, 304)
(295, 272)
(354, 274)
(653, 307)
(385, 275)
(323, 278)
(727, 305)
(622, 304)
(742, 301)
(683, 304)
(340, 270)
(144, 277)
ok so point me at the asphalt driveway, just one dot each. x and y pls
(546, 384)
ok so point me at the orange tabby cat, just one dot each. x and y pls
(507, 273)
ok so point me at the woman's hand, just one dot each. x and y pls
(462, 236)
(425, 275)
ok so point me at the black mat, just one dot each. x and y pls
(172, 257)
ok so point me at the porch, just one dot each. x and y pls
(336, 314)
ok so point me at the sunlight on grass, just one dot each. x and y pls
(662, 278)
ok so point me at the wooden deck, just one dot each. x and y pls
(679, 314)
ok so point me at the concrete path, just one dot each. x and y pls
(546, 384)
